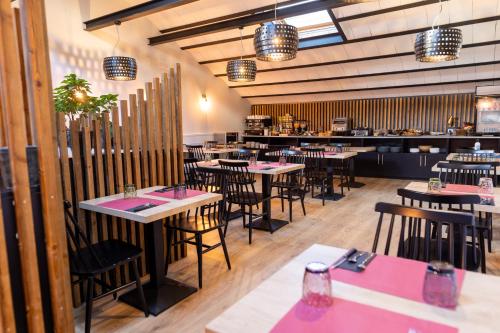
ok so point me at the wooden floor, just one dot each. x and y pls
(349, 222)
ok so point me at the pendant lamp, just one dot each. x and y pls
(276, 41)
(241, 70)
(119, 68)
(438, 44)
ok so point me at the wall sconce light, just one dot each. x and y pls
(204, 103)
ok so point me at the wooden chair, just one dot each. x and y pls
(196, 151)
(291, 185)
(460, 173)
(191, 176)
(241, 192)
(89, 261)
(207, 219)
(315, 172)
(244, 154)
(460, 203)
(411, 228)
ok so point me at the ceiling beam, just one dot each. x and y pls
(345, 61)
(337, 20)
(130, 13)
(319, 92)
(258, 18)
(230, 16)
(371, 38)
(357, 76)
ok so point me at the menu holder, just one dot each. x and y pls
(353, 266)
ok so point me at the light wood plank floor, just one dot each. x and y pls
(349, 222)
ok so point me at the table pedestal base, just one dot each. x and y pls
(160, 298)
(329, 196)
(261, 224)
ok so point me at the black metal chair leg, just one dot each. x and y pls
(88, 305)
(303, 204)
(169, 249)
(199, 249)
(224, 248)
(138, 285)
(290, 204)
(282, 200)
(250, 222)
(483, 252)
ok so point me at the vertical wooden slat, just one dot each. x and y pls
(158, 131)
(173, 121)
(144, 137)
(150, 122)
(7, 319)
(166, 128)
(11, 92)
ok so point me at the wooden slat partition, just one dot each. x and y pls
(429, 113)
(142, 146)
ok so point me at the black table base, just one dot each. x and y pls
(329, 196)
(352, 184)
(262, 224)
(160, 298)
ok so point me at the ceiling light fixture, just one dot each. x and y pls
(438, 44)
(119, 68)
(241, 70)
(276, 40)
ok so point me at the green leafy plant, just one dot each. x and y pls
(72, 97)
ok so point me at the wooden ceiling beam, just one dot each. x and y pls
(258, 18)
(130, 13)
(319, 92)
(357, 76)
(371, 38)
(345, 61)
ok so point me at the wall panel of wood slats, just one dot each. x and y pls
(429, 113)
(150, 140)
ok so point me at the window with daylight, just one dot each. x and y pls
(313, 24)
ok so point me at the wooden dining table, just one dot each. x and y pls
(493, 209)
(264, 307)
(267, 170)
(160, 292)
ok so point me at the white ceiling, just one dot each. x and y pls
(375, 25)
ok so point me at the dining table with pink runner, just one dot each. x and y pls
(371, 301)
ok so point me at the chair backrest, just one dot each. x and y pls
(314, 158)
(191, 176)
(77, 241)
(411, 228)
(196, 151)
(293, 156)
(214, 181)
(459, 173)
(239, 181)
(278, 148)
(210, 144)
(245, 154)
(438, 201)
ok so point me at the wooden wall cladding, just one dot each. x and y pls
(150, 139)
(429, 113)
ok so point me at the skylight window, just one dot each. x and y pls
(313, 24)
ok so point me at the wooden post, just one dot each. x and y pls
(11, 91)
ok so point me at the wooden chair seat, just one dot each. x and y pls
(110, 254)
(198, 224)
(246, 198)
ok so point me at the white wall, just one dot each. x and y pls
(73, 49)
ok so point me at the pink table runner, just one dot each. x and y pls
(461, 189)
(329, 153)
(124, 204)
(260, 167)
(391, 275)
(170, 194)
(350, 317)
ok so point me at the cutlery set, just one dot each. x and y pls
(141, 207)
(354, 260)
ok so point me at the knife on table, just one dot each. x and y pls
(141, 208)
(344, 257)
(367, 260)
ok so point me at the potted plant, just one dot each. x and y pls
(72, 97)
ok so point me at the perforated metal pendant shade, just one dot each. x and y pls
(120, 68)
(241, 70)
(276, 42)
(440, 44)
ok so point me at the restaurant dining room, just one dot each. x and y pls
(222, 166)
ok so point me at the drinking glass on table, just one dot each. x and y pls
(486, 188)
(129, 191)
(440, 285)
(282, 161)
(434, 185)
(316, 287)
(180, 192)
(252, 160)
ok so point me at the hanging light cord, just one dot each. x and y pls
(117, 26)
(438, 16)
(241, 41)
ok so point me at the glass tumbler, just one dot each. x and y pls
(129, 191)
(282, 160)
(252, 160)
(486, 188)
(440, 285)
(316, 288)
(180, 192)
(434, 185)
